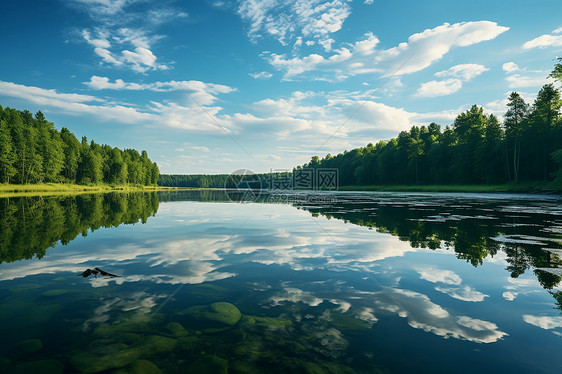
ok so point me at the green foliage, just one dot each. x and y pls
(32, 150)
(474, 150)
(31, 225)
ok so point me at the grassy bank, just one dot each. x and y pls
(512, 187)
(45, 189)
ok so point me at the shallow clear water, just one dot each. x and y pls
(307, 283)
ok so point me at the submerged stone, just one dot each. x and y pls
(42, 366)
(177, 329)
(209, 365)
(157, 344)
(190, 343)
(221, 313)
(56, 292)
(344, 322)
(265, 321)
(140, 367)
(25, 348)
(91, 363)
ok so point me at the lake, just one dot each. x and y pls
(328, 282)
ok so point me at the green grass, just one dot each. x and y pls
(45, 189)
(532, 187)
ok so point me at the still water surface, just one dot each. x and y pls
(299, 283)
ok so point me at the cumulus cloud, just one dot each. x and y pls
(465, 293)
(544, 322)
(203, 93)
(465, 72)
(139, 59)
(261, 75)
(439, 88)
(458, 73)
(510, 67)
(518, 77)
(190, 117)
(284, 21)
(435, 275)
(419, 52)
(423, 314)
(546, 40)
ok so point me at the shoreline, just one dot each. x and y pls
(51, 189)
(528, 188)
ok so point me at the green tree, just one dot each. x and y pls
(514, 122)
(7, 156)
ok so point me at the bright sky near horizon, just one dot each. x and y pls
(212, 86)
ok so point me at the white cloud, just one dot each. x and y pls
(104, 7)
(284, 21)
(510, 67)
(544, 322)
(545, 41)
(522, 77)
(369, 2)
(423, 314)
(191, 117)
(465, 293)
(203, 93)
(439, 88)
(200, 149)
(261, 75)
(465, 72)
(458, 73)
(421, 50)
(140, 59)
(435, 275)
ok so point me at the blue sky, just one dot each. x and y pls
(212, 86)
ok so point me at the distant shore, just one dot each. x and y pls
(46, 189)
(533, 188)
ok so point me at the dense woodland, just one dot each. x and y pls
(31, 225)
(32, 150)
(475, 149)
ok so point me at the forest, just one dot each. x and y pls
(31, 225)
(475, 149)
(33, 151)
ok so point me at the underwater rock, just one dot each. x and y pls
(209, 365)
(118, 355)
(56, 292)
(25, 348)
(135, 323)
(42, 366)
(157, 344)
(268, 322)
(177, 329)
(242, 367)
(326, 368)
(190, 343)
(140, 367)
(345, 322)
(221, 312)
(90, 363)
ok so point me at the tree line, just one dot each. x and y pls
(31, 225)
(475, 149)
(32, 150)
